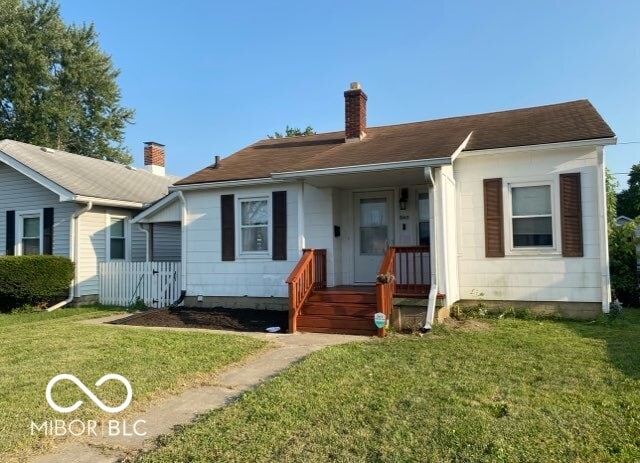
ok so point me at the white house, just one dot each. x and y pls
(509, 204)
(53, 202)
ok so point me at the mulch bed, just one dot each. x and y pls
(218, 318)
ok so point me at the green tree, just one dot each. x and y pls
(293, 132)
(612, 200)
(622, 250)
(629, 199)
(57, 87)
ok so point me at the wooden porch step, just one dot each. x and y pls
(339, 308)
(337, 324)
(343, 296)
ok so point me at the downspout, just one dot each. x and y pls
(142, 228)
(183, 250)
(433, 293)
(73, 252)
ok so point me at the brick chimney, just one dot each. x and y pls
(355, 113)
(154, 158)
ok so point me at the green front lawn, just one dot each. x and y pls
(36, 347)
(493, 390)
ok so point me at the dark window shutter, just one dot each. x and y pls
(493, 218)
(227, 228)
(279, 225)
(571, 215)
(47, 231)
(10, 236)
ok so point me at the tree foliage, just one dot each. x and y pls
(622, 249)
(293, 132)
(629, 199)
(612, 185)
(57, 87)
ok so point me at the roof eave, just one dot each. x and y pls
(224, 184)
(63, 193)
(546, 146)
(155, 207)
(293, 175)
(107, 202)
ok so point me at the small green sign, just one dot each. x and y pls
(380, 319)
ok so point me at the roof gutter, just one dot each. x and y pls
(105, 202)
(546, 146)
(383, 166)
(224, 184)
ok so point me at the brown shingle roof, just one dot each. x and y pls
(572, 121)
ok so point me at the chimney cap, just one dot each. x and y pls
(354, 86)
(155, 143)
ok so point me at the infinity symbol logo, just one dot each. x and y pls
(89, 394)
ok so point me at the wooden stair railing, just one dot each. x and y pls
(308, 275)
(412, 271)
(385, 287)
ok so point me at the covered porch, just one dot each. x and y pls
(370, 237)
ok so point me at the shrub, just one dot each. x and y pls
(623, 263)
(33, 280)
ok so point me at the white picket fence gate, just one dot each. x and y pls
(156, 283)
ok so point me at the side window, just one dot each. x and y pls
(254, 225)
(531, 216)
(117, 239)
(423, 219)
(30, 228)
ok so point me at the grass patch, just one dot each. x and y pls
(34, 347)
(519, 390)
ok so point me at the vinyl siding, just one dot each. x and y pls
(535, 276)
(138, 244)
(167, 240)
(20, 193)
(92, 245)
(208, 275)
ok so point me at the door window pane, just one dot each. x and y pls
(374, 232)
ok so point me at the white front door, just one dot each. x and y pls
(373, 213)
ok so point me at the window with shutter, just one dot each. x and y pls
(10, 233)
(227, 227)
(493, 218)
(279, 201)
(47, 231)
(571, 215)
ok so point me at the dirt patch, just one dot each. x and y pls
(218, 318)
(466, 325)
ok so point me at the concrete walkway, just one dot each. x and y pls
(185, 407)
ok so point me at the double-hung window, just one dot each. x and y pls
(254, 225)
(30, 234)
(531, 216)
(117, 239)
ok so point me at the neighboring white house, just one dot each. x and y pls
(53, 202)
(511, 205)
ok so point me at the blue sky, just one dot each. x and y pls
(208, 78)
